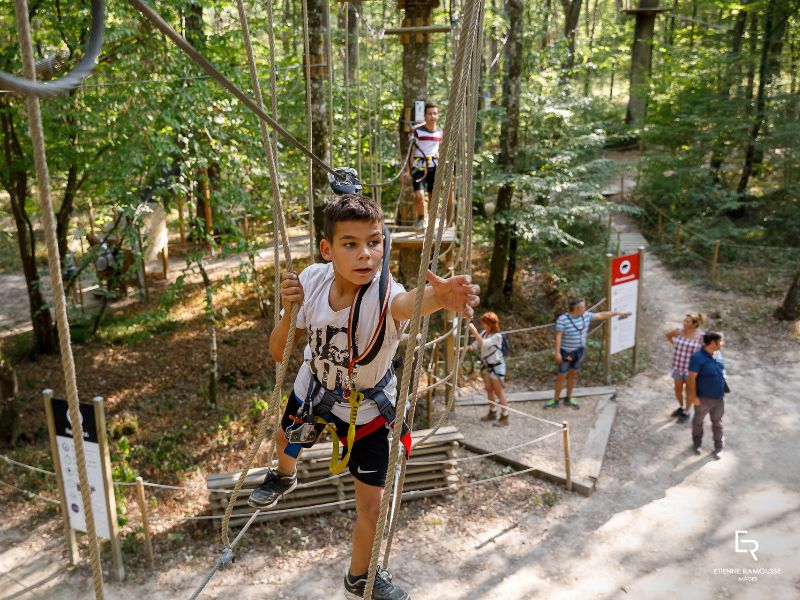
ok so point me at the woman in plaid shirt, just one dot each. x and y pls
(685, 341)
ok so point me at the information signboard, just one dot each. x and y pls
(69, 467)
(624, 296)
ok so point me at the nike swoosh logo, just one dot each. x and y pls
(360, 470)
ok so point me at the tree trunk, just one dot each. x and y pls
(732, 74)
(508, 149)
(641, 64)
(320, 136)
(10, 417)
(415, 87)
(15, 181)
(769, 68)
(572, 13)
(211, 319)
(790, 309)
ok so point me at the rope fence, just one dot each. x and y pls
(771, 260)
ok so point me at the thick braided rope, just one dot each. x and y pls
(273, 83)
(60, 304)
(278, 219)
(467, 150)
(309, 131)
(472, 13)
(345, 7)
(329, 65)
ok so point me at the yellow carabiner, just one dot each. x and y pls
(337, 466)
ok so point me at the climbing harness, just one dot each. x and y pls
(316, 411)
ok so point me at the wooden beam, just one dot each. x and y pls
(417, 29)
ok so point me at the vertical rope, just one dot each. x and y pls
(273, 83)
(329, 64)
(309, 132)
(346, 11)
(465, 52)
(272, 416)
(59, 301)
(357, 73)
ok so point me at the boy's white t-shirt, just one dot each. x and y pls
(326, 353)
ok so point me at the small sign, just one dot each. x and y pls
(624, 297)
(419, 111)
(69, 467)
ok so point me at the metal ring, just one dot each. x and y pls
(72, 80)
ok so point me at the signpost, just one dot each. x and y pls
(624, 274)
(98, 469)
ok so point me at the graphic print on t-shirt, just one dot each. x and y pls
(330, 355)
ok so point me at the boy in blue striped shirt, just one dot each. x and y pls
(571, 330)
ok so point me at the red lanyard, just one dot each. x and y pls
(353, 360)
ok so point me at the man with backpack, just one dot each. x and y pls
(571, 330)
(494, 349)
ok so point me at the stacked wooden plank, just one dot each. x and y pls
(429, 472)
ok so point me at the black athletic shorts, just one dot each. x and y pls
(422, 179)
(369, 459)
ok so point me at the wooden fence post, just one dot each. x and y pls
(148, 546)
(567, 465)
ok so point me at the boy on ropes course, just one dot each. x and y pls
(351, 315)
(424, 159)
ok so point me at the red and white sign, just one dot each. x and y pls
(624, 295)
(624, 268)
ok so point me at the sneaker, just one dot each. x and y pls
(677, 412)
(383, 589)
(684, 416)
(551, 403)
(490, 416)
(571, 403)
(275, 486)
(697, 450)
(419, 223)
(502, 421)
(717, 454)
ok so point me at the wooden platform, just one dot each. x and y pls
(406, 237)
(338, 494)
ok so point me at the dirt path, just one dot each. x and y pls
(661, 524)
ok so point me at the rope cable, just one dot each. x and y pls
(453, 123)
(56, 281)
(309, 129)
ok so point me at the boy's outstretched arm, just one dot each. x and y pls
(456, 293)
(291, 292)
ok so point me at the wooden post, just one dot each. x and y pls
(714, 261)
(567, 462)
(677, 237)
(91, 217)
(148, 546)
(622, 187)
(69, 533)
(607, 324)
(180, 220)
(634, 360)
(111, 508)
(165, 260)
(619, 242)
(660, 228)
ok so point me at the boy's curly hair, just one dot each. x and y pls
(350, 207)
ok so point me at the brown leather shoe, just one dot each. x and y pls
(491, 416)
(502, 421)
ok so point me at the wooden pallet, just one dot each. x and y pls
(328, 495)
